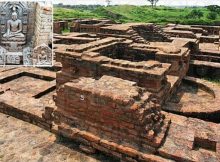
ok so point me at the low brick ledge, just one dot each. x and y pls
(108, 147)
(25, 116)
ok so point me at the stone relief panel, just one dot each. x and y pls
(27, 56)
(42, 55)
(2, 55)
(21, 24)
(9, 10)
(13, 58)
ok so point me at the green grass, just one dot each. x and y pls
(129, 13)
(60, 13)
(66, 31)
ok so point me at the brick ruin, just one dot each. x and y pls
(114, 91)
(205, 46)
(124, 90)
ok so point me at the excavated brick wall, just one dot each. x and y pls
(109, 94)
(151, 33)
(112, 115)
(124, 111)
(212, 30)
(84, 65)
(57, 28)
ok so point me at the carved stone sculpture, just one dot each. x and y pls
(27, 56)
(13, 37)
(13, 58)
(23, 26)
(14, 28)
(2, 55)
(42, 55)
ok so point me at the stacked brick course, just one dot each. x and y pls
(110, 114)
(111, 104)
(57, 28)
(148, 74)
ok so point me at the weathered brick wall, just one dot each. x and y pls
(208, 39)
(180, 34)
(57, 28)
(151, 33)
(112, 31)
(212, 30)
(43, 24)
(87, 66)
(63, 24)
(112, 109)
(89, 26)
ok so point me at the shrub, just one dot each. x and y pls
(214, 8)
(194, 14)
(212, 15)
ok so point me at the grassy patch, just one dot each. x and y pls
(60, 13)
(66, 31)
(129, 13)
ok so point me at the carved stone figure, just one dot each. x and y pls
(27, 56)
(23, 26)
(14, 27)
(42, 55)
(2, 55)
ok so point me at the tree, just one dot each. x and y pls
(153, 2)
(214, 8)
(108, 2)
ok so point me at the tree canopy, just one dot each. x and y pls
(153, 2)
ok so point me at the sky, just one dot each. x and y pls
(143, 2)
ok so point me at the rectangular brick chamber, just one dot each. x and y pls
(110, 59)
(22, 98)
(125, 52)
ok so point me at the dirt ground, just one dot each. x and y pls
(23, 142)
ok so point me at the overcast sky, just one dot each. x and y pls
(143, 2)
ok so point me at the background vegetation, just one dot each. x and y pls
(127, 13)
